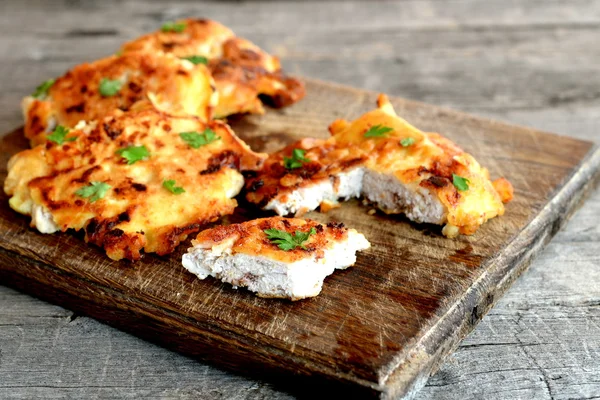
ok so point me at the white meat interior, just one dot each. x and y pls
(388, 192)
(272, 278)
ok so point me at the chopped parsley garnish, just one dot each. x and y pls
(296, 160)
(134, 154)
(95, 191)
(109, 87)
(196, 60)
(460, 183)
(59, 135)
(286, 241)
(173, 27)
(407, 142)
(378, 131)
(195, 139)
(170, 186)
(42, 90)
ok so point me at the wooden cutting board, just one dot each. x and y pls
(380, 328)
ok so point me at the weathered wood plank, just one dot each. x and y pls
(331, 16)
(568, 104)
(59, 356)
(470, 60)
(540, 341)
(514, 69)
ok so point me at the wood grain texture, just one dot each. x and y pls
(381, 327)
(530, 62)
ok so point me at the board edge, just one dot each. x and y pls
(579, 185)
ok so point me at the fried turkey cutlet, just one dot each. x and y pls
(143, 180)
(115, 84)
(274, 257)
(383, 158)
(243, 73)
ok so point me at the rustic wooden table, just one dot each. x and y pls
(529, 62)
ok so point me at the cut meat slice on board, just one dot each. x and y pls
(142, 180)
(275, 257)
(392, 164)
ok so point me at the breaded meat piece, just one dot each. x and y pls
(144, 180)
(243, 73)
(287, 185)
(392, 164)
(274, 257)
(115, 84)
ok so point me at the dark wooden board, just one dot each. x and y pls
(381, 327)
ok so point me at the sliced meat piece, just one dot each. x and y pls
(143, 180)
(246, 255)
(389, 162)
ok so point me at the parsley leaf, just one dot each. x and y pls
(95, 191)
(196, 60)
(407, 142)
(170, 186)
(195, 139)
(58, 136)
(460, 183)
(134, 154)
(286, 241)
(109, 87)
(378, 131)
(296, 160)
(173, 27)
(42, 89)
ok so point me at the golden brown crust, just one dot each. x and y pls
(431, 161)
(415, 158)
(200, 37)
(274, 180)
(173, 85)
(243, 73)
(250, 237)
(137, 212)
